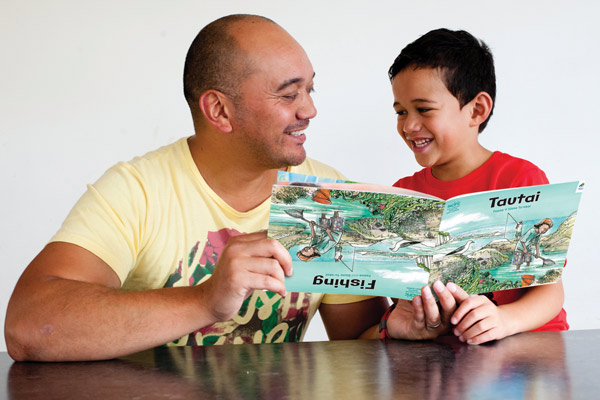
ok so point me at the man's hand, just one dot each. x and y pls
(421, 318)
(248, 262)
(477, 319)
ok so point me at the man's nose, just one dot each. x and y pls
(307, 108)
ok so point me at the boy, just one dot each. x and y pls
(444, 89)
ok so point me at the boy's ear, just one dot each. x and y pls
(216, 106)
(481, 107)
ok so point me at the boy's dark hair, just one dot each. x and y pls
(466, 63)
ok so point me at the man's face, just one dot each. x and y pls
(430, 119)
(543, 229)
(275, 104)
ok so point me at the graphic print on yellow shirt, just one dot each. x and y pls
(265, 317)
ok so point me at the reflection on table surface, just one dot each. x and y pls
(549, 365)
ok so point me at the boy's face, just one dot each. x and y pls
(431, 121)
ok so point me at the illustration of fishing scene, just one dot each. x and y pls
(353, 241)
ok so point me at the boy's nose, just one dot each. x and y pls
(411, 125)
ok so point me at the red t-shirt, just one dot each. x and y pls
(501, 171)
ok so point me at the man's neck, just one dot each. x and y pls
(242, 187)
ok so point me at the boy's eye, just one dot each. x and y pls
(423, 110)
(401, 112)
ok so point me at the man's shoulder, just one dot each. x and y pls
(158, 156)
(151, 169)
(164, 158)
(313, 167)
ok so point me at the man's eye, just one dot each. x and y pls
(290, 96)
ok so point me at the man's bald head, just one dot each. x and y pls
(215, 59)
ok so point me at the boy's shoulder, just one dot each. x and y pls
(500, 171)
(504, 171)
(506, 164)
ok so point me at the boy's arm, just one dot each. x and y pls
(478, 320)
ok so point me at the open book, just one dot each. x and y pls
(368, 239)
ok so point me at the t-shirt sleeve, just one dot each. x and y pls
(108, 219)
(529, 175)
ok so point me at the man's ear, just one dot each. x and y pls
(215, 106)
(481, 107)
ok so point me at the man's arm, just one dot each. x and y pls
(409, 320)
(68, 304)
(353, 320)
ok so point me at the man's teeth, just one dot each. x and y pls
(295, 133)
(422, 143)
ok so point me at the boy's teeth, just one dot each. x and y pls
(422, 143)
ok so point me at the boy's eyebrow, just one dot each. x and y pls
(416, 101)
(291, 81)
(422, 101)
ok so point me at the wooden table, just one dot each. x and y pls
(553, 365)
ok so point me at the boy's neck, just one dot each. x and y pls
(462, 167)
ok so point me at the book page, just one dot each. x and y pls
(507, 238)
(352, 241)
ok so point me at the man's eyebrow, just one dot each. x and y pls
(290, 82)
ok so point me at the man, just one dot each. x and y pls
(130, 268)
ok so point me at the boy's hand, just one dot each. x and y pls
(422, 318)
(477, 320)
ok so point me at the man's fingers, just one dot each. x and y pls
(257, 245)
(250, 236)
(432, 314)
(266, 266)
(447, 300)
(417, 305)
(268, 282)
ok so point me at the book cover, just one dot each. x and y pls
(378, 240)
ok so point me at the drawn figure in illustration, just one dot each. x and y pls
(530, 243)
(325, 235)
(518, 230)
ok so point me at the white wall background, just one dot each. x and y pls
(84, 84)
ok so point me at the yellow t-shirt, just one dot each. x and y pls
(156, 222)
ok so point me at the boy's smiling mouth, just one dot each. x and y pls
(420, 143)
